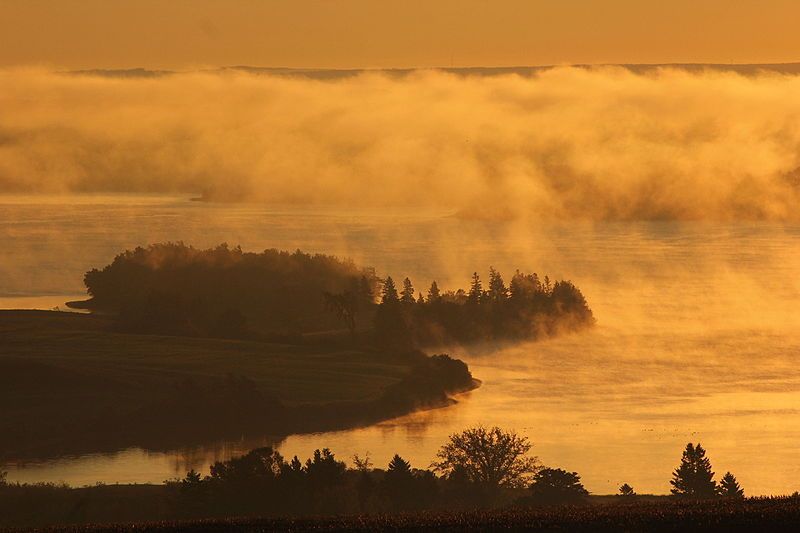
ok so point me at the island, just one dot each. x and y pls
(185, 345)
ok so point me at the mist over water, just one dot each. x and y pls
(698, 334)
(564, 144)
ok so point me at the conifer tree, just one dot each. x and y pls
(420, 298)
(475, 289)
(398, 467)
(433, 293)
(626, 491)
(693, 478)
(407, 294)
(389, 294)
(729, 487)
(497, 288)
(398, 484)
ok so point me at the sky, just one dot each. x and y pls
(185, 34)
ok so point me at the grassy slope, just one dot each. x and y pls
(78, 345)
(65, 368)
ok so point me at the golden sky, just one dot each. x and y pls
(393, 33)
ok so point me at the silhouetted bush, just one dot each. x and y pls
(552, 486)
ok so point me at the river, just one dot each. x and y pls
(698, 335)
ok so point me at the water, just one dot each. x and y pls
(697, 336)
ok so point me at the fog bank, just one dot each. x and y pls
(598, 144)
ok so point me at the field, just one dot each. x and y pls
(64, 375)
(766, 514)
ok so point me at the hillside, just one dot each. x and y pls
(75, 386)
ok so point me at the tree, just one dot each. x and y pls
(192, 478)
(407, 294)
(398, 467)
(626, 491)
(362, 465)
(497, 288)
(324, 470)
(475, 289)
(490, 457)
(547, 287)
(433, 293)
(3, 475)
(554, 486)
(365, 288)
(389, 293)
(420, 298)
(365, 486)
(345, 306)
(729, 487)
(693, 478)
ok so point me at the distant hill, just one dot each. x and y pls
(746, 69)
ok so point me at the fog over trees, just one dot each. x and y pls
(225, 292)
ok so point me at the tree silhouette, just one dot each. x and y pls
(407, 294)
(323, 470)
(475, 289)
(554, 485)
(398, 467)
(192, 478)
(693, 478)
(362, 464)
(547, 287)
(626, 491)
(433, 293)
(490, 457)
(729, 487)
(497, 288)
(365, 289)
(389, 293)
(345, 306)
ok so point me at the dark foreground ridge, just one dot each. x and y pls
(752, 514)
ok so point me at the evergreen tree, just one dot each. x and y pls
(398, 467)
(389, 294)
(693, 478)
(420, 298)
(475, 289)
(407, 294)
(398, 484)
(497, 288)
(729, 487)
(433, 293)
(626, 491)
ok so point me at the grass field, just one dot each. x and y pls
(63, 371)
(767, 514)
(80, 346)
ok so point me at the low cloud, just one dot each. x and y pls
(567, 143)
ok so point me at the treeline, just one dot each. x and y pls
(173, 288)
(478, 468)
(527, 308)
